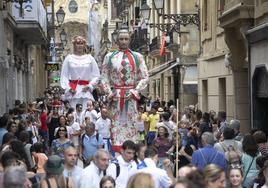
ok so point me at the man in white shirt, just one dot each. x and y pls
(162, 178)
(125, 165)
(90, 112)
(76, 130)
(78, 113)
(103, 126)
(92, 174)
(70, 167)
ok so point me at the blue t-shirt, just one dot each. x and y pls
(208, 155)
(90, 144)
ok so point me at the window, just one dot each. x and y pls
(222, 94)
(205, 15)
(169, 87)
(205, 95)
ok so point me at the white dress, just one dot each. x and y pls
(79, 68)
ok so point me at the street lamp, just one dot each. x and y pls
(145, 11)
(60, 15)
(179, 19)
(63, 37)
(159, 4)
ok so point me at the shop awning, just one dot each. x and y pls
(163, 68)
(190, 76)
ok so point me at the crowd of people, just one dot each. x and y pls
(47, 143)
(74, 137)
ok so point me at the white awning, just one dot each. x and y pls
(190, 76)
(161, 67)
(168, 68)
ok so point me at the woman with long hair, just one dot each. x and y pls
(52, 123)
(12, 128)
(248, 160)
(18, 147)
(61, 142)
(214, 176)
(236, 176)
(139, 153)
(63, 122)
(162, 143)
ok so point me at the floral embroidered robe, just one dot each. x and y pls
(124, 72)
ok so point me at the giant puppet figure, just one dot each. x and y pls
(79, 75)
(124, 76)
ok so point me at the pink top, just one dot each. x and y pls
(40, 159)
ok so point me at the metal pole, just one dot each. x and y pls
(177, 141)
(53, 18)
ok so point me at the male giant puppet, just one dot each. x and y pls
(79, 75)
(124, 75)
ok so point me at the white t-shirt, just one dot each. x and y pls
(75, 173)
(90, 177)
(93, 115)
(77, 117)
(76, 127)
(125, 169)
(103, 126)
(160, 176)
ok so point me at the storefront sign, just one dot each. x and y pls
(52, 67)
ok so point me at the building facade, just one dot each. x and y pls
(173, 74)
(222, 67)
(22, 52)
(257, 42)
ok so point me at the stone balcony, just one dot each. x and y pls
(32, 25)
(236, 12)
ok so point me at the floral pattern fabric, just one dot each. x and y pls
(124, 72)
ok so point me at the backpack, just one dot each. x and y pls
(231, 153)
(83, 137)
(114, 161)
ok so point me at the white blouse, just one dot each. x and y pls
(77, 67)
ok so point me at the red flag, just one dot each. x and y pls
(163, 44)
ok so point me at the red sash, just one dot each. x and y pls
(73, 83)
(123, 89)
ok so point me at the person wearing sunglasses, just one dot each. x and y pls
(79, 75)
(61, 142)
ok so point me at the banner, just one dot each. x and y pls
(163, 44)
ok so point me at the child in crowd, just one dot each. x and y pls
(183, 130)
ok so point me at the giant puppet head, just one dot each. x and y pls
(79, 45)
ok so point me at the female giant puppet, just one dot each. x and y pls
(124, 75)
(79, 75)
